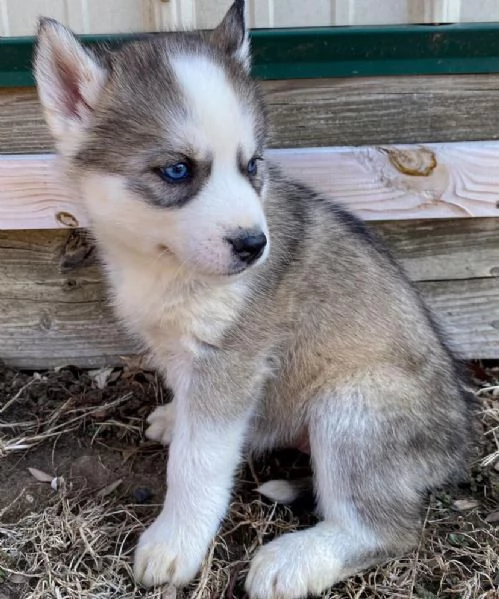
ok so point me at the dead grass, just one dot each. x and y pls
(77, 541)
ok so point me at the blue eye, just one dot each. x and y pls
(252, 167)
(175, 172)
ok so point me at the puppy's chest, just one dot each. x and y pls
(175, 316)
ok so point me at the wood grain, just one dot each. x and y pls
(326, 112)
(383, 110)
(468, 311)
(440, 250)
(33, 194)
(51, 315)
(403, 182)
(54, 311)
(452, 180)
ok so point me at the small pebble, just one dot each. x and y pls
(142, 494)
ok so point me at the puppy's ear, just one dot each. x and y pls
(69, 80)
(231, 36)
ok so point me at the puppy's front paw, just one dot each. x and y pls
(161, 557)
(290, 567)
(161, 422)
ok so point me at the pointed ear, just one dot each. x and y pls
(69, 80)
(231, 36)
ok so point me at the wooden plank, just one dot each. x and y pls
(22, 128)
(382, 110)
(403, 182)
(33, 195)
(55, 334)
(326, 112)
(53, 307)
(439, 250)
(468, 311)
(378, 183)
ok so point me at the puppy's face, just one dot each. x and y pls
(165, 140)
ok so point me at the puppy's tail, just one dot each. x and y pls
(286, 491)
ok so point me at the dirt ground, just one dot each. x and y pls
(79, 482)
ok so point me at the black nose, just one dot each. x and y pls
(248, 247)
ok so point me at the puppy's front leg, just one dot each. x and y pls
(205, 450)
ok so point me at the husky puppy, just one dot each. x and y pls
(275, 316)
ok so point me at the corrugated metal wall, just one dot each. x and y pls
(18, 17)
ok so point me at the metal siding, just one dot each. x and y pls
(110, 16)
(367, 12)
(485, 10)
(209, 12)
(119, 16)
(296, 13)
(20, 18)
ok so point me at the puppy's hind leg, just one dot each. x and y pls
(303, 563)
(368, 487)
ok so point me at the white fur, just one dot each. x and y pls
(161, 422)
(220, 127)
(60, 59)
(280, 491)
(328, 427)
(203, 457)
(297, 564)
(243, 53)
(155, 294)
(308, 562)
(218, 122)
(176, 315)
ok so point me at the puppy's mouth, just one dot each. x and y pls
(237, 269)
(234, 269)
(232, 272)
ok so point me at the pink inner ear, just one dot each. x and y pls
(70, 84)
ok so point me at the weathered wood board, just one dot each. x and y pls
(377, 183)
(443, 250)
(53, 304)
(468, 311)
(53, 307)
(326, 112)
(33, 194)
(403, 182)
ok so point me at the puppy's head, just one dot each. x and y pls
(165, 140)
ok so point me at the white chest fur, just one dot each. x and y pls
(173, 313)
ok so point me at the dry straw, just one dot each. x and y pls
(79, 544)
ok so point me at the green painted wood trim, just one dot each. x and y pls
(327, 51)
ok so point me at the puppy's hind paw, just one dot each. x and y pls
(161, 422)
(292, 567)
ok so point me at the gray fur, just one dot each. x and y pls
(130, 138)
